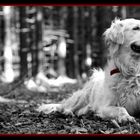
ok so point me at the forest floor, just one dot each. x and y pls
(22, 118)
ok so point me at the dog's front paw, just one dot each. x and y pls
(125, 119)
(117, 114)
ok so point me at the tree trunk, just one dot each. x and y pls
(62, 45)
(75, 36)
(82, 39)
(39, 45)
(70, 47)
(124, 12)
(8, 56)
(23, 41)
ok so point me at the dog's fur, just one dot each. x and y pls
(117, 96)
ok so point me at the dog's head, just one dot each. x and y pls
(123, 42)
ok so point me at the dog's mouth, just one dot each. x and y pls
(135, 47)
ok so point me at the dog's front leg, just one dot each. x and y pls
(119, 114)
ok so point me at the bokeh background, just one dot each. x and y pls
(55, 40)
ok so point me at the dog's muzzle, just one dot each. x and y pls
(135, 46)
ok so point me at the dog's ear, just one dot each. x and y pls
(114, 34)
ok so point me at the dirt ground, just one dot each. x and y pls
(21, 118)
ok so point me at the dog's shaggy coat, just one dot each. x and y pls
(112, 93)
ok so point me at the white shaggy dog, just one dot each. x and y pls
(114, 93)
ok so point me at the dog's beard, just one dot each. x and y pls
(129, 65)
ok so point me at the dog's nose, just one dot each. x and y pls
(135, 47)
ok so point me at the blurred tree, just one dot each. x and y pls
(34, 37)
(102, 13)
(62, 44)
(70, 47)
(82, 38)
(75, 37)
(2, 36)
(132, 12)
(24, 44)
(39, 39)
(8, 54)
(60, 40)
(124, 12)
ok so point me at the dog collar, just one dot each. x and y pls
(114, 71)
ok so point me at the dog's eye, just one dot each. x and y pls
(136, 28)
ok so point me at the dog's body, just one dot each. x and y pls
(112, 93)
